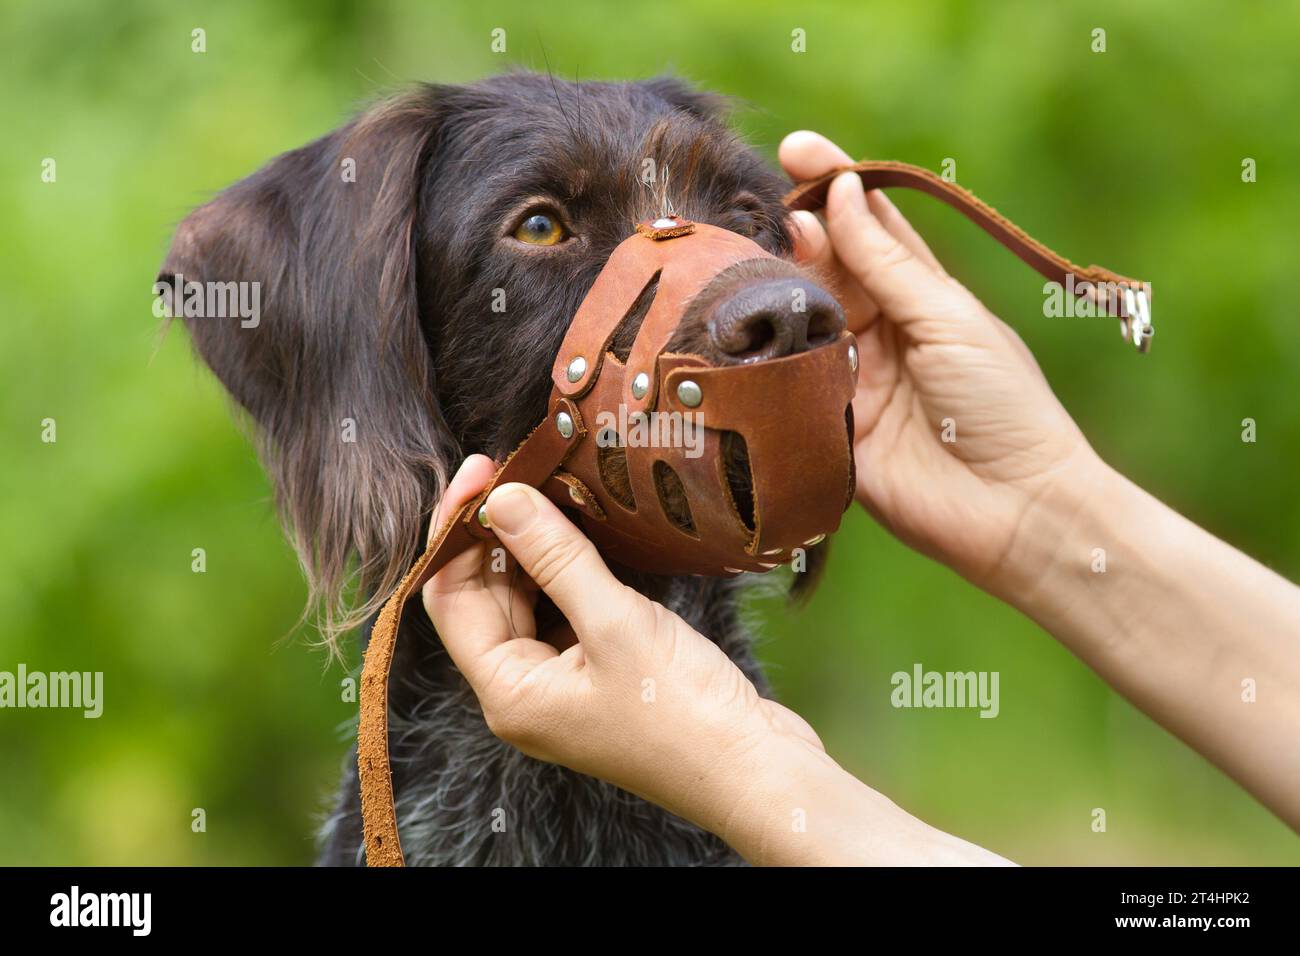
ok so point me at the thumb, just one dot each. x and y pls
(560, 559)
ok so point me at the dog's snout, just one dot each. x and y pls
(774, 317)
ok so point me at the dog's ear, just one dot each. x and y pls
(335, 371)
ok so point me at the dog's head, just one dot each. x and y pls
(418, 269)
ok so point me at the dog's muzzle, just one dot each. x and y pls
(666, 427)
(692, 504)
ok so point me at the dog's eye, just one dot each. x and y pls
(540, 229)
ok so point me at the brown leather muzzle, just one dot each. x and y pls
(669, 417)
(800, 459)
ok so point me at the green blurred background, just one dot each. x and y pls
(1131, 158)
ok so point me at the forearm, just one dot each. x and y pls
(800, 808)
(1200, 637)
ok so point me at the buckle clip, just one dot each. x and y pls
(1135, 324)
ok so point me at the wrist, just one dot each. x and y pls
(798, 807)
(1068, 537)
(766, 818)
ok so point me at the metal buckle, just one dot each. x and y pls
(1135, 324)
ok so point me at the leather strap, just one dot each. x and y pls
(541, 453)
(537, 459)
(883, 174)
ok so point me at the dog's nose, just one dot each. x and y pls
(774, 317)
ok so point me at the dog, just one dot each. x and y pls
(418, 268)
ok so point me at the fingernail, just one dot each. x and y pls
(510, 509)
(855, 194)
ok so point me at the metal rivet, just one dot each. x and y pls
(564, 422)
(640, 385)
(853, 358)
(689, 393)
(576, 495)
(577, 369)
(482, 515)
(817, 540)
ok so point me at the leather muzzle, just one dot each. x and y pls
(658, 425)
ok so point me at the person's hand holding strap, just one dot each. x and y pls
(643, 701)
(964, 452)
(957, 432)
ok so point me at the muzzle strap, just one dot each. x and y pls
(1124, 298)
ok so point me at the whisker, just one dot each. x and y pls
(555, 89)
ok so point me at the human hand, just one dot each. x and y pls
(629, 693)
(632, 695)
(958, 436)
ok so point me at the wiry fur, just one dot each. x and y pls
(377, 307)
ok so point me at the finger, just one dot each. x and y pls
(464, 612)
(470, 479)
(812, 247)
(910, 293)
(461, 607)
(560, 559)
(806, 155)
(883, 208)
(513, 590)
(484, 619)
